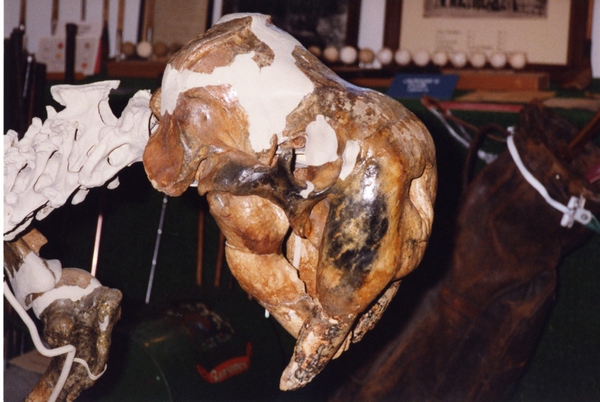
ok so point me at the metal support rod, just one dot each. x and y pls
(220, 258)
(96, 251)
(98, 236)
(156, 247)
(200, 260)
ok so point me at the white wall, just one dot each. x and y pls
(37, 23)
(596, 40)
(370, 29)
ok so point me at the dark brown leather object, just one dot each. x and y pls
(473, 335)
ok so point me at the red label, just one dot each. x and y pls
(228, 368)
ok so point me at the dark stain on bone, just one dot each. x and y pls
(356, 227)
(274, 183)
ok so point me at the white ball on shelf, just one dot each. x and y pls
(160, 49)
(128, 49)
(315, 50)
(517, 60)
(458, 59)
(477, 59)
(348, 55)
(144, 49)
(331, 54)
(385, 56)
(366, 56)
(421, 58)
(402, 57)
(498, 60)
(439, 59)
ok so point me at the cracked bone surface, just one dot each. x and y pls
(81, 312)
(80, 147)
(324, 190)
(76, 310)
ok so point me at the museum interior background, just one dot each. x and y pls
(154, 356)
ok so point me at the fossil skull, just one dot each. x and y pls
(324, 190)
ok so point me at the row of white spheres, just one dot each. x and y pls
(421, 58)
(516, 60)
(346, 55)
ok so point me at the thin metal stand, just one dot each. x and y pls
(156, 247)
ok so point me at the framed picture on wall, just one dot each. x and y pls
(313, 22)
(552, 33)
(174, 22)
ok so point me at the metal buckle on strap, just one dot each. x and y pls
(572, 212)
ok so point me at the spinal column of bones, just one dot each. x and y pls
(78, 148)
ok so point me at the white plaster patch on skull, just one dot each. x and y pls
(71, 292)
(309, 189)
(35, 275)
(268, 94)
(321, 142)
(104, 323)
(81, 147)
(349, 158)
(297, 258)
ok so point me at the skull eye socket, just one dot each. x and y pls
(155, 103)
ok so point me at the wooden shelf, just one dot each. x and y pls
(372, 82)
(136, 68)
(61, 76)
(504, 80)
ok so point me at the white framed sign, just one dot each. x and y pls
(539, 28)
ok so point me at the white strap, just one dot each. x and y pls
(68, 349)
(464, 139)
(35, 337)
(92, 376)
(572, 212)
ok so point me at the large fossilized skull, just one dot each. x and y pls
(323, 190)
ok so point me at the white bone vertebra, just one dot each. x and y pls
(80, 147)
